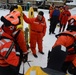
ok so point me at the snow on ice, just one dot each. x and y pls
(48, 40)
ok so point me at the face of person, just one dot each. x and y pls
(56, 8)
(39, 17)
(66, 8)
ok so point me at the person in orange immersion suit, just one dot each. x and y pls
(64, 49)
(10, 66)
(37, 32)
(64, 18)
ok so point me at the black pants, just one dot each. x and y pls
(53, 23)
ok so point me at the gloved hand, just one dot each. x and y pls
(25, 57)
(72, 70)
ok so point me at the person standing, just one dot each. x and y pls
(37, 32)
(51, 9)
(64, 18)
(54, 19)
(12, 39)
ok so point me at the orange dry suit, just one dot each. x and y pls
(37, 32)
(68, 40)
(20, 38)
(64, 17)
(5, 43)
(15, 56)
(11, 21)
(12, 44)
(51, 9)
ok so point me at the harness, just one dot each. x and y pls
(72, 45)
(12, 45)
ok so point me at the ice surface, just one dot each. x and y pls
(48, 41)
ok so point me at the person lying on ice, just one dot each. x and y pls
(62, 57)
(12, 44)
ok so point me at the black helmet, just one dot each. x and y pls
(13, 7)
(41, 13)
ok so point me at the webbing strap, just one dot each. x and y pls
(12, 45)
(17, 34)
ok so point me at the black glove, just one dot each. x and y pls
(25, 57)
(72, 69)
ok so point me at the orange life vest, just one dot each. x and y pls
(5, 43)
(67, 41)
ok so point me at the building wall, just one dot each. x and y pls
(5, 1)
(2, 1)
(12, 1)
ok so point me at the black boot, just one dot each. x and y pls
(41, 52)
(35, 55)
(49, 33)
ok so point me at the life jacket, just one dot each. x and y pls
(8, 54)
(19, 9)
(11, 19)
(71, 48)
(70, 35)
